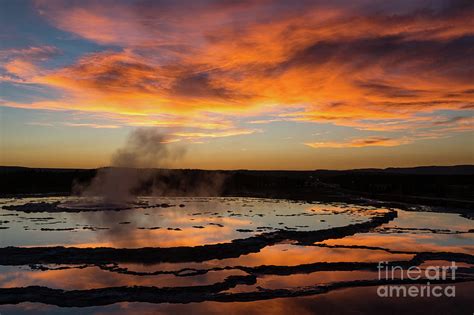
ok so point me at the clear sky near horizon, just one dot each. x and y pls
(262, 84)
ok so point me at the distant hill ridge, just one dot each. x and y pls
(417, 170)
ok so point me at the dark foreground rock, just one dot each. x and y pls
(214, 292)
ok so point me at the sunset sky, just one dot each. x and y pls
(239, 84)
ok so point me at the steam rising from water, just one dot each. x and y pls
(145, 147)
(131, 173)
(134, 172)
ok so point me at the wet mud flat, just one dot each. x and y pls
(284, 249)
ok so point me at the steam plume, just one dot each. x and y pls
(145, 147)
(134, 171)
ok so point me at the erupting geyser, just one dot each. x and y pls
(116, 186)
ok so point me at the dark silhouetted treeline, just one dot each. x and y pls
(424, 184)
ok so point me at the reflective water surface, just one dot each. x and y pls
(187, 221)
(287, 265)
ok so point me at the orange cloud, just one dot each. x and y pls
(358, 143)
(21, 68)
(369, 67)
(226, 133)
(20, 64)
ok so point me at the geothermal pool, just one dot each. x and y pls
(63, 254)
(181, 221)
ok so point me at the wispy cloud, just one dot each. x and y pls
(217, 134)
(41, 124)
(358, 143)
(95, 126)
